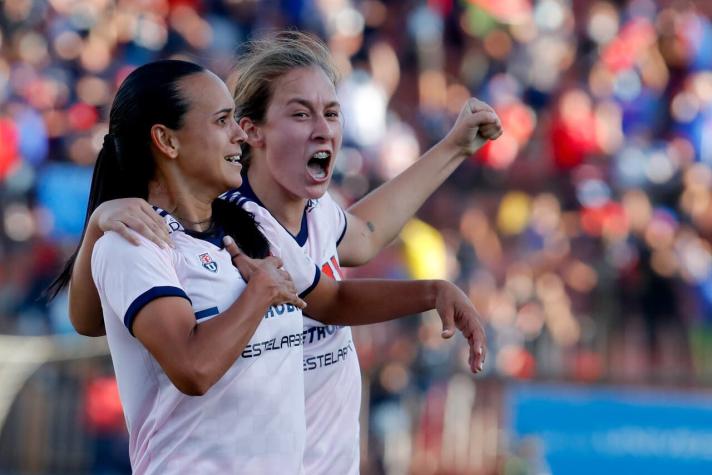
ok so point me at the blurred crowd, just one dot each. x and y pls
(582, 234)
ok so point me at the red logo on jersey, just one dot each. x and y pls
(332, 268)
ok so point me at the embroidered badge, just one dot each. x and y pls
(208, 262)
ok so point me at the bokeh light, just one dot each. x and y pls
(582, 234)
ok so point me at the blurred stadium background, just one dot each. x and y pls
(583, 234)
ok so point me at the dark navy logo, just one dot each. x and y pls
(208, 262)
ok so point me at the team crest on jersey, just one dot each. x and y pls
(208, 262)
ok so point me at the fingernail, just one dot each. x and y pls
(227, 240)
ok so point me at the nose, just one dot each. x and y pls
(323, 128)
(238, 134)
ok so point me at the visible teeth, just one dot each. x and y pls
(233, 158)
(318, 164)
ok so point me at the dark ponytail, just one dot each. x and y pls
(240, 225)
(105, 185)
(125, 165)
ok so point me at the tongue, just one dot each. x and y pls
(316, 171)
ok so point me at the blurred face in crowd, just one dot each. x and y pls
(207, 145)
(298, 140)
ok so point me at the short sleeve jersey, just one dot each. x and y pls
(332, 376)
(252, 419)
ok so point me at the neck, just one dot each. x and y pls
(190, 209)
(283, 205)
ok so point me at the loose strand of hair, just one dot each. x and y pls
(242, 227)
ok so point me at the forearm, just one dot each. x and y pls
(388, 208)
(84, 303)
(215, 345)
(365, 301)
(195, 356)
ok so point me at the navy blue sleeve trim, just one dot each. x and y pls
(208, 312)
(343, 232)
(317, 276)
(148, 296)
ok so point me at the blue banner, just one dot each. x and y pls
(583, 430)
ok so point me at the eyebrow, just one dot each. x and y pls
(226, 110)
(308, 104)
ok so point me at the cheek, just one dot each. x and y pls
(202, 142)
(285, 149)
(287, 165)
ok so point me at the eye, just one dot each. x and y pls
(333, 114)
(301, 115)
(223, 120)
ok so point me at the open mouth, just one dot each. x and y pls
(234, 158)
(318, 165)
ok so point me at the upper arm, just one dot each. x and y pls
(84, 304)
(357, 245)
(129, 277)
(139, 286)
(353, 235)
(163, 326)
(85, 310)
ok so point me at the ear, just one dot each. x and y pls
(255, 139)
(164, 140)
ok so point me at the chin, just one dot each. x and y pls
(233, 183)
(314, 192)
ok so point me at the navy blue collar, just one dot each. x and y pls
(247, 191)
(213, 235)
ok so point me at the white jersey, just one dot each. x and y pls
(252, 419)
(332, 376)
